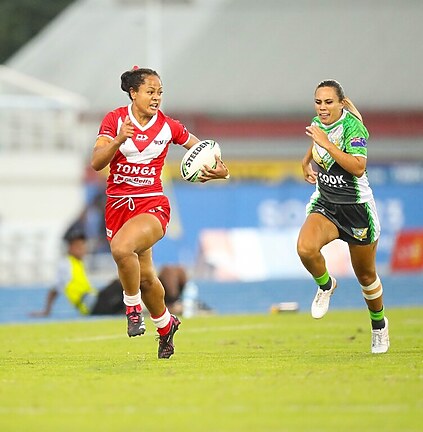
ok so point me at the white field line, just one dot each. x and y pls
(194, 330)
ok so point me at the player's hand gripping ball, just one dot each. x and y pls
(200, 154)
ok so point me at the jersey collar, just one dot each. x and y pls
(343, 115)
(135, 121)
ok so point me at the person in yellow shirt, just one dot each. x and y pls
(73, 282)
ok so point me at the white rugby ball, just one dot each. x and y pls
(200, 154)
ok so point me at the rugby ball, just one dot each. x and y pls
(200, 154)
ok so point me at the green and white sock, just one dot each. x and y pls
(324, 281)
(378, 319)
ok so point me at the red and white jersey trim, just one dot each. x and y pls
(135, 169)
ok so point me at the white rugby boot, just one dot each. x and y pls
(380, 339)
(320, 304)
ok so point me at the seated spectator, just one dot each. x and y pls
(173, 279)
(73, 282)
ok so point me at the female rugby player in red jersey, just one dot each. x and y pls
(134, 140)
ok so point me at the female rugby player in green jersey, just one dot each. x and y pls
(342, 207)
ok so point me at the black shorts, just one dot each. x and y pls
(356, 223)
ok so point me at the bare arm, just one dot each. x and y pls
(51, 298)
(355, 165)
(192, 140)
(310, 175)
(105, 148)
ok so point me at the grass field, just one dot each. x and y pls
(282, 372)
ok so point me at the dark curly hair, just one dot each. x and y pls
(133, 78)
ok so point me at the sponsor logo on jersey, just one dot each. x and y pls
(360, 233)
(141, 137)
(358, 142)
(109, 233)
(160, 142)
(332, 180)
(136, 169)
(133, 181)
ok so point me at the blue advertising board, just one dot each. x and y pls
(255, 204)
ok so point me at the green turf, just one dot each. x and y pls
(284, 372)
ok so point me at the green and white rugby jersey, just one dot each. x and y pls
(334, 184)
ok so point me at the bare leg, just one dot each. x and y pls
(316, 232)
(135, 237)
(152, 291)
(363, 260)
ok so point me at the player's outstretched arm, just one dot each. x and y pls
(310, 176)
(51, 298)
(105, 148)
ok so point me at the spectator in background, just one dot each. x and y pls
(73, 282)
(174, 279)
(176, 283)
(91, 222)
(342, 206)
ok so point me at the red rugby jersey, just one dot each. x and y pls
(137, 165)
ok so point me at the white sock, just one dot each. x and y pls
(163, 320)
(132, 300)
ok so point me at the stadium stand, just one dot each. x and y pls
(239, 71)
